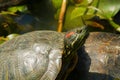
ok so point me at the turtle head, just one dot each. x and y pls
(75, 38)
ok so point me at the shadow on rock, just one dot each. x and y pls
(81, 71)
(82, 68)
(98, 76)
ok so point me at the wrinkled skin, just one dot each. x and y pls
(100, 58)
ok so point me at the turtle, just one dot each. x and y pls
(99, 58)
(41, 55)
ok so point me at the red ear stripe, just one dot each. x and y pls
(69, 34)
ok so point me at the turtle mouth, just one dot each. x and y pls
(82, 36)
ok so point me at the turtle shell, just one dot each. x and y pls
(32, 56)
(41, 55)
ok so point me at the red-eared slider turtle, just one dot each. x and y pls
(99, 59)
(39, 55)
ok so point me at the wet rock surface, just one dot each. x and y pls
(99, 59)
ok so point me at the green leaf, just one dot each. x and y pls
(22, 8)
(76, 12)
(109, 8)
(57, 3)
(2, 40)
